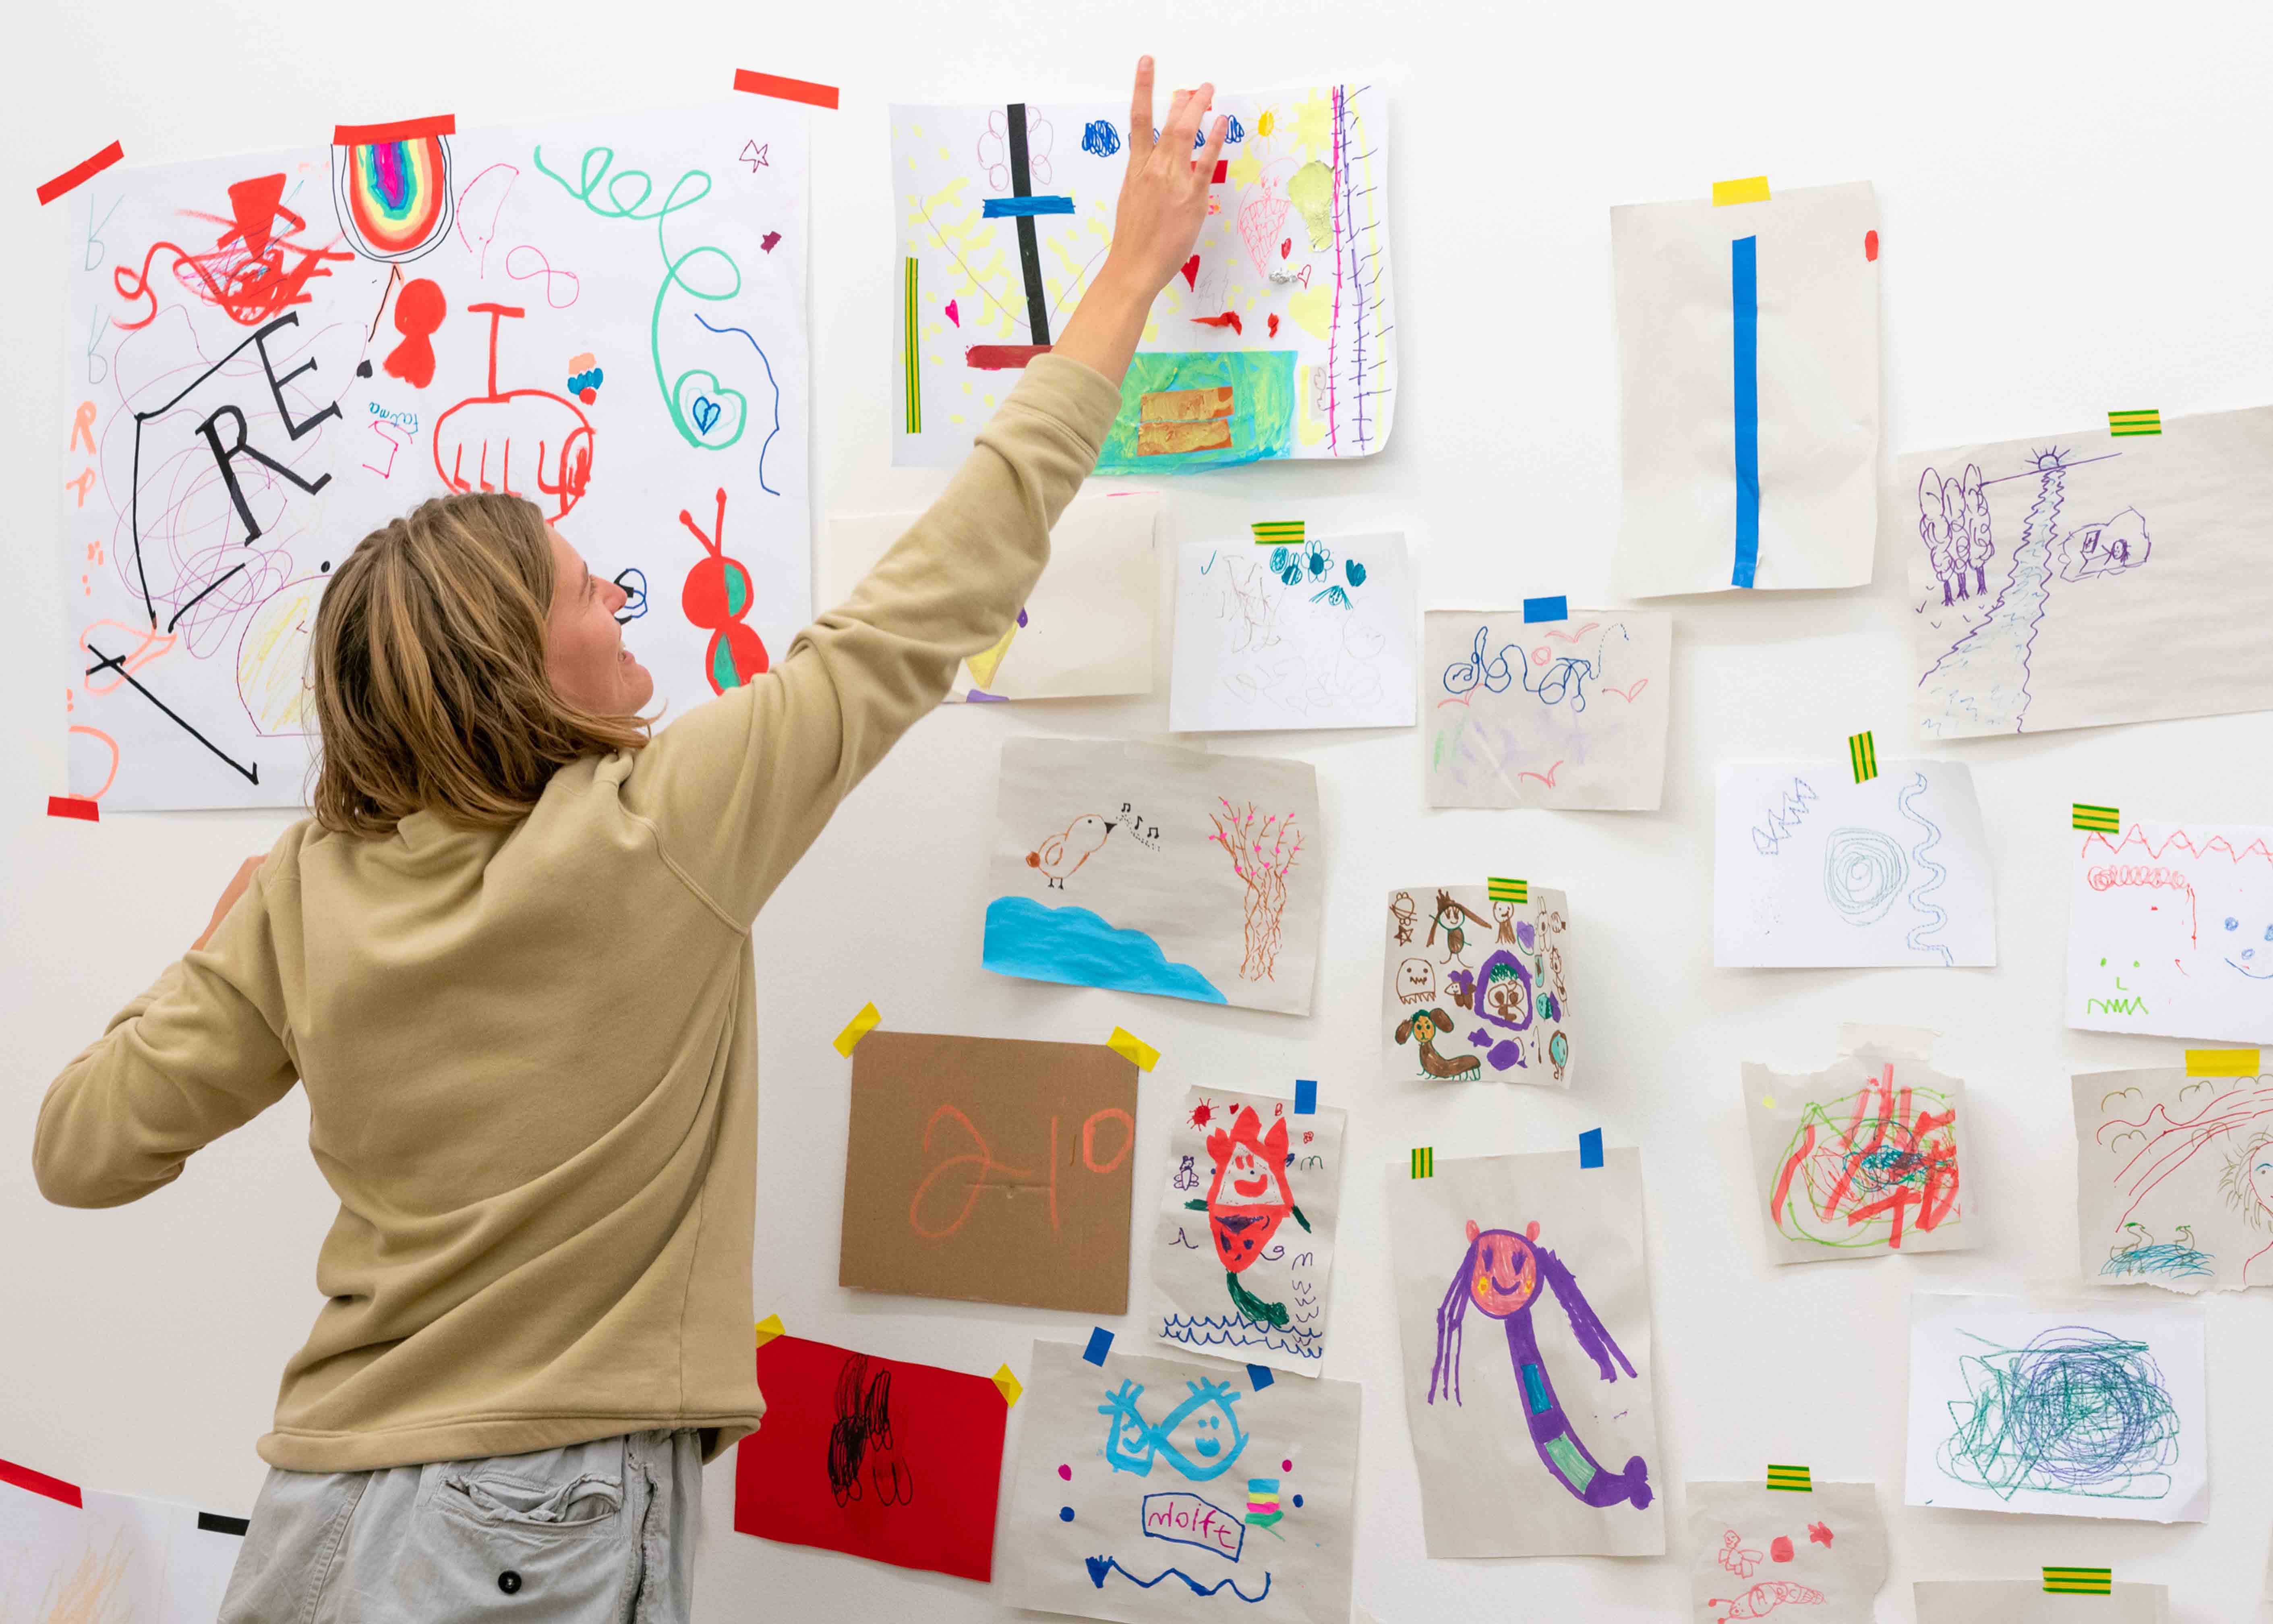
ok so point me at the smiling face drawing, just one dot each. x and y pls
(1249, 1198)
(2247, 948)
(1505, 1277)
(1200, 1437)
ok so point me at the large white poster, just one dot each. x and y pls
(274, 355)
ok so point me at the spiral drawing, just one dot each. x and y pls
(1862, 873)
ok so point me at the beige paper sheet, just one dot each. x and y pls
(2023, 1601)
(1243, 1251)
(1167, 1489)
(2174, 1179)
(1475, 990)
(1755, 1549)
(1515, 1436)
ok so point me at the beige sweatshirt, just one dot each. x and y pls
(531, 1054)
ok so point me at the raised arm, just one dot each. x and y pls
(737, 789)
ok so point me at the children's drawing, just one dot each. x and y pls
(880, 1458)
(2174, 1179)
(1317, 635)
(1154, 869)
(2029, 1601)
(1566, 1430)
(1757, 1550)
(1277, 340)
(2077, 579)
(1085, 629)
(1570, 712)
(70, 1555)
(2170, 930)
(1157, 1488)
(1811, 868)
(1748, 365)
(1243, 1252)
(1860, 1158)
(2088, 1412)
(1476, 986)
(281, 354)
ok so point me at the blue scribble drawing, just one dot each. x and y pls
(770, 384)
(1863, 873)
(1983, 679)
(2077, 1411)
(1561, 679)
(1917, 940)
(2139, 1256)
(1783, 818)
(1100, 1566)
(1099, 139)
(1203, 1451)
(1239, 1331)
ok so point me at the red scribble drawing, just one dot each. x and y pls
(149, 645)
(482, 431)
(717, 595)
(983, 1159)
(528, 263)
(1855, 1180)
(1263, 212)
(385, 432)
(112, 776)
(1203, 1113)
(1263, 851)
(1819, 1534)
(1229, 318)
(418, 311)
(2111, 876)
(1628, 693)
(1733, 1556)
(82, 429)
(253, 270)
(1553, 635)
(1547, 777)
(1765, 1598)
(85, 479)
(1272, 327)
(494, 191)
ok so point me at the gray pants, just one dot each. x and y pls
(595, 1533)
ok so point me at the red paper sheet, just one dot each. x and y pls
(894, 1461)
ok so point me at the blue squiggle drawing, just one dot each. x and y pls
(774, 386)
(1238, 1331)
(1560, 680)
(1100, 1566)
(1917, 940)
(1783, 818)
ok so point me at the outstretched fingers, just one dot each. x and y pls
(1180, 135)
(1140, 116)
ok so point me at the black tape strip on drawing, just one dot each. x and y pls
(1030, 250)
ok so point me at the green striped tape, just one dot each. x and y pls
(1795, 1479)
(1508, 890)
(1863, 756)
(908, 344)
(1424, 1162)
(1278, 533)
(2121, 423)
(2079, 1582)
(2099, 820)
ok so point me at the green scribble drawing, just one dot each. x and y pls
(2077, 1411)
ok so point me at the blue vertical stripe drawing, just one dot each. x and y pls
(1745, 305)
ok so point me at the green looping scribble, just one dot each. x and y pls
(623, 195)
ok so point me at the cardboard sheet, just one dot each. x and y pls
(990, 1170)
(1243, 1253)
(1475, 989)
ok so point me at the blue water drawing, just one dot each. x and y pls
(2140, 1256)
(1917, 939)
(1100, 1566)
(1238, 1331)
(1078, 948)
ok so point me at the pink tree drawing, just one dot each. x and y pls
(1262, 850)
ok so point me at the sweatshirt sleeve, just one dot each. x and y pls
(737, 788)
(203, 1051)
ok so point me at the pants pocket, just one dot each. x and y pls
(553, 1535)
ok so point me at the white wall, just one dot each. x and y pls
(2074, 218)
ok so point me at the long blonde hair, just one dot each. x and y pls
(428, 669)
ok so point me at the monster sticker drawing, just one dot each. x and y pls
(2174, 1179)
(1576, 1390)
(2171, 930)
(1151, 1489)
(2069, 580)
(1244, 1248)
(1476, 984)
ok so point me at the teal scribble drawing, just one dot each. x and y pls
(2139, 1256)
(708, 414)
(2077, 1411)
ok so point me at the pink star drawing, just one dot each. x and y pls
(768, 241)
(1819, 1533)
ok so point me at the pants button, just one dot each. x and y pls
(508, 1581)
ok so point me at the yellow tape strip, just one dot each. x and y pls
(1125, 1042)
(1751, 189)
(859, 1026)
(2221, 1062)
(770, 1328)
(1008, 1384)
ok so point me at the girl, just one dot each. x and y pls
(537, 1328)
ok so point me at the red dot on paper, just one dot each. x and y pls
(1285, 1466)
(1066, 1473)
(1870, 244)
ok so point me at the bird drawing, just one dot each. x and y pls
(1061, 856)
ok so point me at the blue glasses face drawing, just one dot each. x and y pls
(2241, 944)
(1200, 1437)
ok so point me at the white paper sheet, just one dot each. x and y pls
(1569, 712)
(1243, 1251)
(2170, 929)
(1811, 868)
(1150, 868)
(520, 326)
(1318, 634)
(1085, 629)
(1864, 1157)
(2088, 1409)
(1545, 1446)
(1770, 486)
(112, 1558)
(1473, 988)
(1155, 1488)
(1277, 340)
(2174, 1179)
(2072, 579)
(1755, 1549)
(2023, 1601)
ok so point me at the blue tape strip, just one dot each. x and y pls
(1013, 209)
(1100, 1343)
(1306, 1097)
(1260, 1376)
(1745, 305)
(1546, 609)
(1590, 1149)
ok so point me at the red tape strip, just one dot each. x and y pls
(40, 1483)
(74, 806)
(785, 89)
(401, 130)
(79, 174)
